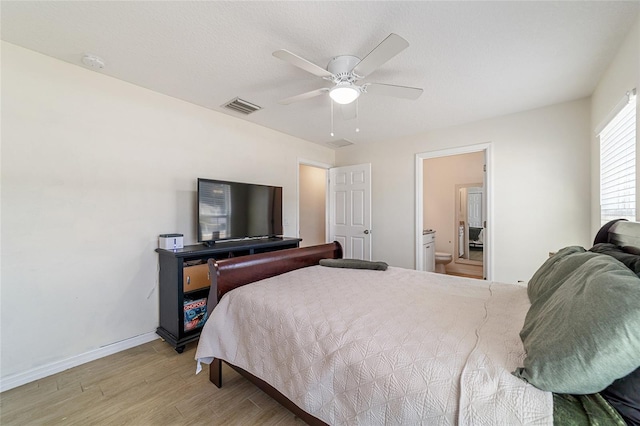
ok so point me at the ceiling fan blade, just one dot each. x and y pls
(301, 63)
(386, 50)
(392, 90)
(349, 111)
(303, 96)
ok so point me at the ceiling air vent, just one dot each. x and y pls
(340, 143)
(242, 106)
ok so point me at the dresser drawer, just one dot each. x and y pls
(196, 277)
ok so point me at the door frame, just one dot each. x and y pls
(326, 166)
(419, 199)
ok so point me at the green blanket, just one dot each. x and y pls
(584, 410)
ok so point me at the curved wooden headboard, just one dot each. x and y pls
(228, 274)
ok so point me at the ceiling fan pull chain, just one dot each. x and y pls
(357, 115)
(331, 100)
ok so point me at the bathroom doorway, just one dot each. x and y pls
(453, 198)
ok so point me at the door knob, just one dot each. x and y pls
(366, 231)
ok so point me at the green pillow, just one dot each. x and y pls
(554, 271)
(586, 334)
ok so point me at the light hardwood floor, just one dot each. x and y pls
(147, 385)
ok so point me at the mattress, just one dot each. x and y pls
(372, 347)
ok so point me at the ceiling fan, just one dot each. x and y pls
(345, 71)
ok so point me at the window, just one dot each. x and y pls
(618, 164)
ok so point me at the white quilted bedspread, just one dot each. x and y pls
(359, 347)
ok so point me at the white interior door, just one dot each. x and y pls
(350, 210)
(474, 206)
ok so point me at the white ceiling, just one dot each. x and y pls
(473, 59)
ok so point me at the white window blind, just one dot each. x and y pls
(618, 166)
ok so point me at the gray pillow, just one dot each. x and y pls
(586, 334)
(354, 264)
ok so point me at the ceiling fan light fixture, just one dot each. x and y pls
(344, 93)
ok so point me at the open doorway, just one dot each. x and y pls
(453, 198)
(312, 203)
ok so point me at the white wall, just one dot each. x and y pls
(540, 162)
(623, 74)
(93, 169)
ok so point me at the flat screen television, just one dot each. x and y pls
(235, 210)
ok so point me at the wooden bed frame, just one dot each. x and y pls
(232, 273)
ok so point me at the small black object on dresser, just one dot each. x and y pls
(184, 282)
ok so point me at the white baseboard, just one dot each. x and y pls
(19, 379)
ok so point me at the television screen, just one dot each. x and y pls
(234, 210)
